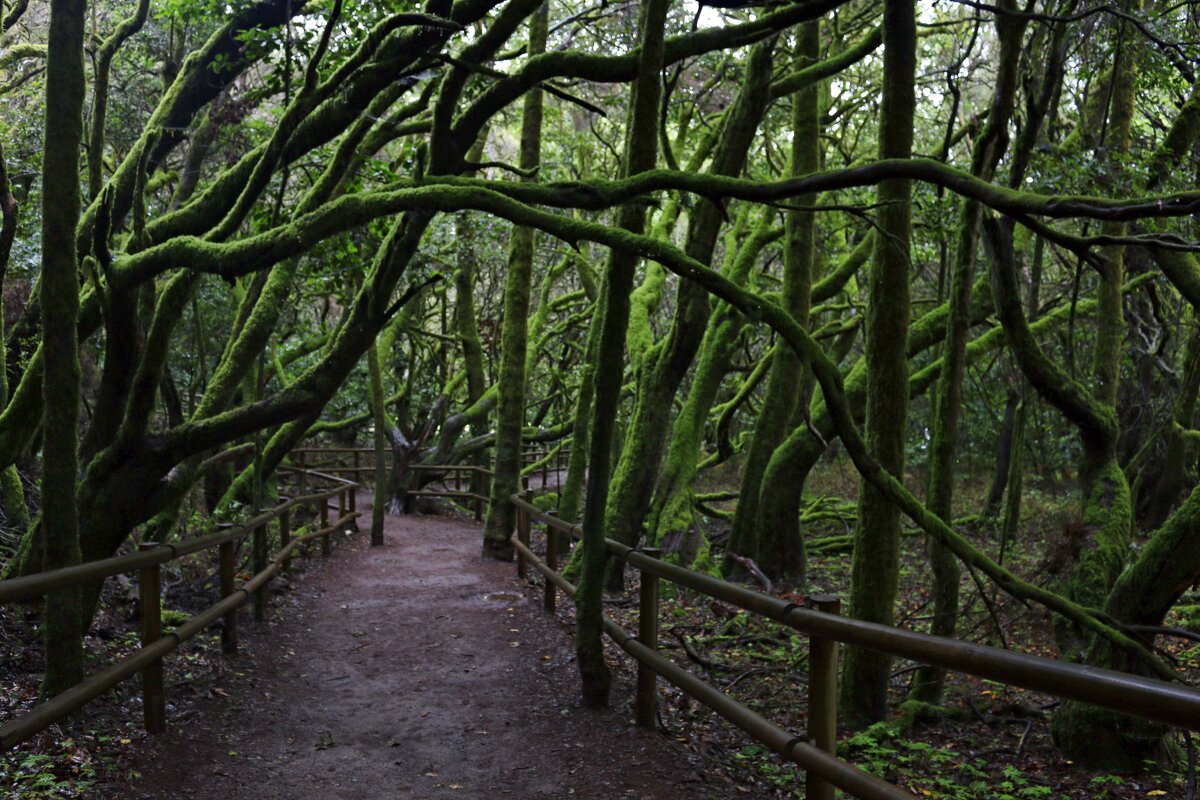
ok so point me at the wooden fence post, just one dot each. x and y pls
(550, 596)
(822, 697)
(285, 533)
(324, 525)
(303, 473)
(259, 543)
(523, 538)
(154, 704)
(479, 503)
(646, 700)
(355, 475)
(227, 568)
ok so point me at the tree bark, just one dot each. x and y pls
(62, 631)
(641, 153)
(929, 682)
(875, 566)
(518, 279)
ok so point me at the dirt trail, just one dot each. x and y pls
(412, 670)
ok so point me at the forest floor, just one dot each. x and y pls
(410, 670)
(416, 670)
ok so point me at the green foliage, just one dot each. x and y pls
(939, 773)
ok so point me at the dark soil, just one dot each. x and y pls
(411, 670)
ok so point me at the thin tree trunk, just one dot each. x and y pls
(780, 555)
(517, 282)
(63, 626)
(929, 682)
(1004, 447)
(641, 152)
(875, 566)
(379, 412)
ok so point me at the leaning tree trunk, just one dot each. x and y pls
(62, 629)
(664, 366)
(511, 409)
(641, 153)
(875, 567)
(781, 556)
(671, 513)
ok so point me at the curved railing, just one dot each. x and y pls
(1168, 703)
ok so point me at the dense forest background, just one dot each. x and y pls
(809, 291)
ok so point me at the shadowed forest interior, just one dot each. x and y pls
(892, 303)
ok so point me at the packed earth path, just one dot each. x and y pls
(411, 670)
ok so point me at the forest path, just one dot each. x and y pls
(411, 670)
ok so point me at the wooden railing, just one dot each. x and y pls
(470, 483)
(348, 462)
(146, 563)
(358, 463)
(1167, 703)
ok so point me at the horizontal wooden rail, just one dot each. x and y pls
(457, 473)
(1148, 698)
(451, 468)
(314, 473)
(792, 747)
(23, 588)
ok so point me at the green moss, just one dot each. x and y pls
(12, 495)
(875, 563)
(705, 562)
(643, 301)
(1101, 739)
(547, 502)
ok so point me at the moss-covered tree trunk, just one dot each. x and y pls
(755, 534)
(12, 493)
(1083, 732)
(1177, 469)
(62, 629)
(518, 279)
(875, 566)
(641, 152)
(671, 512)
(782, 486)
(989, 147)
(466, 324)
(1107, 510)
(571, 491)
(665, 364)
(103, 60)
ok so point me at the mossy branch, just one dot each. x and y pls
(830, 380)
